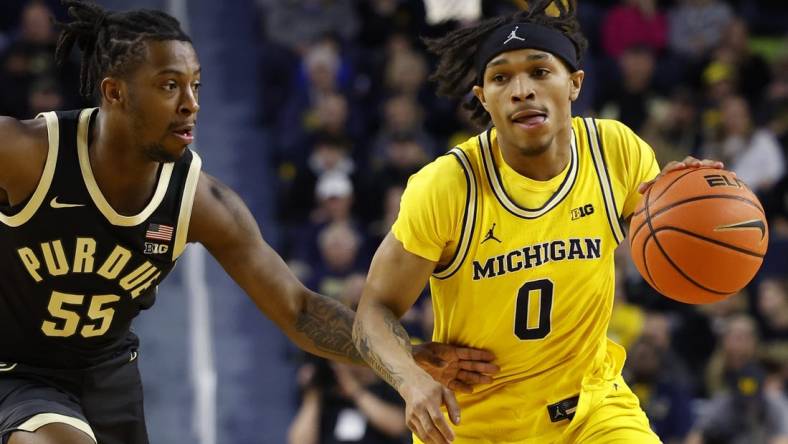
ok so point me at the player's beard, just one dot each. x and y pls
(157, 153)
(154, 151)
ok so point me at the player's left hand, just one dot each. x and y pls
(458, 368)
(688, 162)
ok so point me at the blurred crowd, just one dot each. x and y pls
(347, 100)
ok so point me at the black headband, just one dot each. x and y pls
(513, 36)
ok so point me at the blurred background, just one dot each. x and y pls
(317, 112)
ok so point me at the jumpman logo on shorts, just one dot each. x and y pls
(491, 235)
(513, 36)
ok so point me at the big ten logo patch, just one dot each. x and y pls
(585, 210)
(152, 248)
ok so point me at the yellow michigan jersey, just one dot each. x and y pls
(526, 271)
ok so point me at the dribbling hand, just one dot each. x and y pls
(688, 162)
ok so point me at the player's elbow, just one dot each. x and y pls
(359, 322)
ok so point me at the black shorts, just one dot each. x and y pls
(104, 401)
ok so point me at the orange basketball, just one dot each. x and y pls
(698, 235)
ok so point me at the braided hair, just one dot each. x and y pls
(112, 43)
(455, 74)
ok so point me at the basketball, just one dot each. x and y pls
(698, 235)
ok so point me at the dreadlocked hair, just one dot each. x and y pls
(112, 43)
(456, 74)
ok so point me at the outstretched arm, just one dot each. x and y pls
(224, 225)
(317, 324)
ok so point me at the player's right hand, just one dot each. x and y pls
(423, 400)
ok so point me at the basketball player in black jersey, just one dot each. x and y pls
(95, 207)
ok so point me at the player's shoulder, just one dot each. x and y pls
(613, 132)
(445, 171)
(22, 152)
(20, 134)
(620, 145)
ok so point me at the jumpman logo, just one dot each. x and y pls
(491, 235)
(513, 36)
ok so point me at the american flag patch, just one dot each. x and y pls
(159, 232)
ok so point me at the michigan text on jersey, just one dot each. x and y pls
(537, 254)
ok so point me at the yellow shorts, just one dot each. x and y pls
(616, 418)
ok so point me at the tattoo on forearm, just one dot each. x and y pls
(329, 325)
(373, 359)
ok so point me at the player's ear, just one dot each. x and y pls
(112, 91)
(478, 91)
(575, 84)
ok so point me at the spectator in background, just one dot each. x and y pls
(658, 331)
(346, 404)
(719, 82)
(339, 245)
(663, 395)
(402, 114)
(391, 199)
(403, 156)
(406, 72)
(737, 348)
(29, 65)
(634, 23)
(673, 130)
(776, 203)
(631, 99)
(296, 23)
(777, 91)
(696, 26)
(45, 94)
(334, 192)
(772, 307)
(318, 102)
(751, 72)
(626, 320)
(776, 207)
(753, 153)
(335, 196)
(747, 412)
(382, 18)
(330, 154)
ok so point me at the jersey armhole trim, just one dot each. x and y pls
(598, 157)
(187, 202)
(468, 219)
(53, 135)
(40, 420)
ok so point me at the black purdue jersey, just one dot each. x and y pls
(73, 272)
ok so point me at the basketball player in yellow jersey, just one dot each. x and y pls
(515, 230)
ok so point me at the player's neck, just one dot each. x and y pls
(124, 175)
(543, 166)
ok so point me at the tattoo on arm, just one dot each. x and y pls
(374, 360)
(329, 325)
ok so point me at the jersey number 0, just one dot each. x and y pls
(523, 326)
